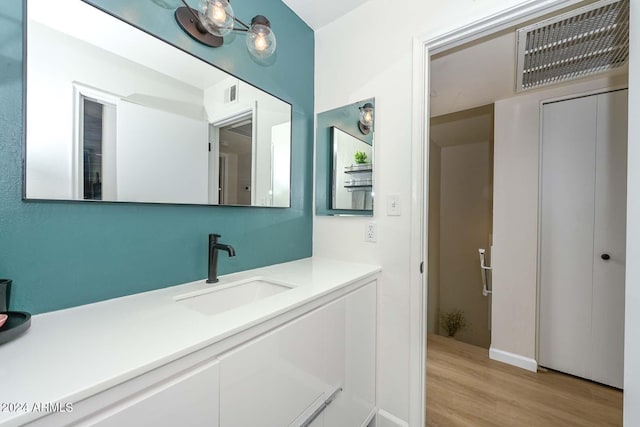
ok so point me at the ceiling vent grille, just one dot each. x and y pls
(583, 42)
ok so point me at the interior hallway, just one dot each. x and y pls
(466, 388)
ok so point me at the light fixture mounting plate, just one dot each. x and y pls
(364, 129)
(187, 22)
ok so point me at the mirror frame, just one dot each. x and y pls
(171, 44)
(346, 118)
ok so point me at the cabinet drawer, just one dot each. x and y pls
(169, 396)
(188, 400)
(272, 380)
(282, 377)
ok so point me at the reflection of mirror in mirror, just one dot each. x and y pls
(344, 161)
(352, 172)
(115, 114)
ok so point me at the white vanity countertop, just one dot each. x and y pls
(80, 351)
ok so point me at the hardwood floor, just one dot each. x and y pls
(466, 388)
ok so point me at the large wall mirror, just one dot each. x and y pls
(344, 160)
(115, 114)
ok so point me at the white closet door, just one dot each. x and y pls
(607, 323)
(566, 235)
(582, 237)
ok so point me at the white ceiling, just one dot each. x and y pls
(480, 73)
(231, 142)
(472, 76)
(319, 13)
(89, 24)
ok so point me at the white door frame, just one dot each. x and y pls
(424, 46)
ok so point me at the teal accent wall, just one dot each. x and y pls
(63, 254)
(345, 118)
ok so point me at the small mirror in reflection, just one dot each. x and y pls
(352, 172)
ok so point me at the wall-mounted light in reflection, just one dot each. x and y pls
(366, 118)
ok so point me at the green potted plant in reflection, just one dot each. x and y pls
(360, 157)
(453, 321)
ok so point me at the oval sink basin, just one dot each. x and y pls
(226, 297)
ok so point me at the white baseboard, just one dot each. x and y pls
(386, 419)
(513, 359)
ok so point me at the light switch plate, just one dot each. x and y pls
(393, 205)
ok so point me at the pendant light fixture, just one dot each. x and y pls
(215, 18)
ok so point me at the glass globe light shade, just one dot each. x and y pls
(216, 16)
(366, 115)
(261, 41)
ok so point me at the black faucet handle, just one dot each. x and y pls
(213, 237)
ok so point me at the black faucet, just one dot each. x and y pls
(214, 247)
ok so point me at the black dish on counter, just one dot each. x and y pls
(16, 324)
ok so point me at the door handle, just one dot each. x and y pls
(605, 257)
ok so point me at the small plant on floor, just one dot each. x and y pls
(452, 321)
(360, 157)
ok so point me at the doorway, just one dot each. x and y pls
(94, 173)
(460, 224)
(519, 348)
(232, 160)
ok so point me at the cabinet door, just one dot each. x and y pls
(609, 238)
(566, 235)
(189, 400)
(358, 365)
(281, 378)
(273, 379)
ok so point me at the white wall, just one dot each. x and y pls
(231, 188)
(515, 215)
(632, 310)
(243, 197)
(50, 101)
(151, 167)
(344, 75)
(465, 224)
(281, 164)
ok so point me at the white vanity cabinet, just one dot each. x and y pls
(165, 397)
(278, 373)
(282, 377)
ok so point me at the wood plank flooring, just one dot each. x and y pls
(466, 388)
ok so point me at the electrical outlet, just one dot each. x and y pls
(371, 232)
